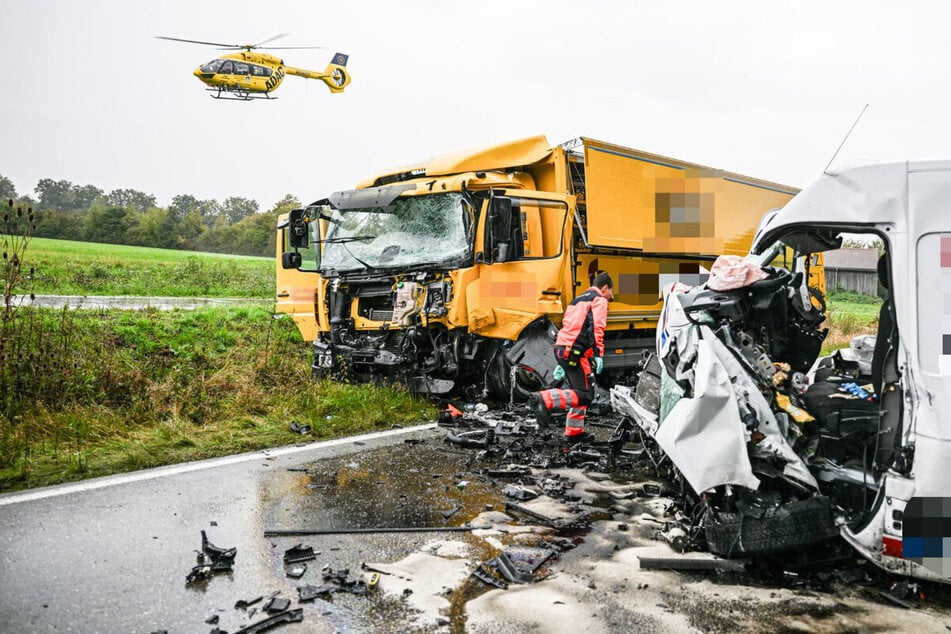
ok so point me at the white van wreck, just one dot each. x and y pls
(778, 447)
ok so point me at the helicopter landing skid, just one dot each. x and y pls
(237, 95)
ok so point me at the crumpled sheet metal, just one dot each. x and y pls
(704, 435)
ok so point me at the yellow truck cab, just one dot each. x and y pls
(452, 274)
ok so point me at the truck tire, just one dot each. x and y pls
(503, 384)
(785, 527)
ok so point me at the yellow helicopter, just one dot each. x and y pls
(246, 75)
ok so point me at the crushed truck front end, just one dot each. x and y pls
(422, 280)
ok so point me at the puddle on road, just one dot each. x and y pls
(429, 484)
(402, 486)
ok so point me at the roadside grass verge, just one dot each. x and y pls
(849, 315)
(65, 267)
(102, 392)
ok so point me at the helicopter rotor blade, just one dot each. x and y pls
(178, 39)
(292, 48)
(270, 39)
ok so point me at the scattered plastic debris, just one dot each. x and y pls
(211, 559)
(297, 428)
(299, 553)
(244, 604)
(692, 563)
(291, 616)
(277, 604)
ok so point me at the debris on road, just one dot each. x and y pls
(211, 559)
(244, 604)
(692, 563)
(297, 554)
(355, 531)
(276, 604)
(291, 616)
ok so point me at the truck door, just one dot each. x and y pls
(520, 259)
(297, 280)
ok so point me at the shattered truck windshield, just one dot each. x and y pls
(408, 232)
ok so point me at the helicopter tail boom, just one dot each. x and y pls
(336, 75)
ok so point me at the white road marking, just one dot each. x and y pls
(170, 470)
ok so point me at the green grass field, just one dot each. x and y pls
(108, 391)
(64, 267)
(89, 393)
(848, 315)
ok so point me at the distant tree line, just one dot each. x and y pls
(68, 211)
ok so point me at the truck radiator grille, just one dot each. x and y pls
(375, 314)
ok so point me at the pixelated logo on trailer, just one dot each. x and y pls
(926, 533)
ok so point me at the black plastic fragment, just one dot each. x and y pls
(217, 554)
(450, 512)
(277, 604)
(291, 616)
(309, 592)
(509, 570)
(483, 574)
(529, 558)
(242, 604)
(896, 600)
(338, 580)
(296, 572)
(211, 559)
(691, 563)
(297, 428)
(298, 553)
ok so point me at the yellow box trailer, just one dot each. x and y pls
(452, 274)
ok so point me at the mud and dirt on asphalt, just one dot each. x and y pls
(521, 491)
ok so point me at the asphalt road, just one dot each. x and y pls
(112, 554)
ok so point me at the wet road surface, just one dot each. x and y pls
(115, 558)
(112, 555)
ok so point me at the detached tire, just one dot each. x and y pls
(791, 525)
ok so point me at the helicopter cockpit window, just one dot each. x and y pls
(257, 71)
(227, 68)
(241, 68)
(212, 66)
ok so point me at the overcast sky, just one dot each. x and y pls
(767, 89)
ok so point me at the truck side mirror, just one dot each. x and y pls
(291, 260)
(500, 228)
(297, 229)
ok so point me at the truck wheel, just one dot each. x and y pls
(503, 384)
(785, 527)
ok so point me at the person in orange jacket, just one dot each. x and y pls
(579, 350)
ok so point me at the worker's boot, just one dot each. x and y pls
(542, 415)
(574, 427)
